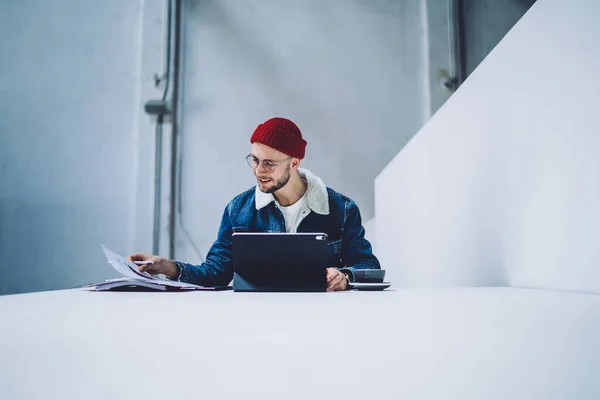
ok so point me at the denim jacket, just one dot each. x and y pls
(255, 211)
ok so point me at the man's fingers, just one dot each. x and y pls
(137, 257)
(338, 282)
(338, 279)
(149, 268)
(335, 281)
(339, 286)
(155, 259)
(331, 273)
(143, 268)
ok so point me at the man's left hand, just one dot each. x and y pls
(336, 280)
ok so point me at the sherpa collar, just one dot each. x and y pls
(317, 198)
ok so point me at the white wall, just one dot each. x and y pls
(350, 74)
(71, 84)
(500, 187)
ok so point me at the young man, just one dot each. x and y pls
(285, 199)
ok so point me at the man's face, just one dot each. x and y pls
(270, 182)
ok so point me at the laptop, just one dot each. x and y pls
(279, 262)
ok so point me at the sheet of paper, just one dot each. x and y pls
(124, 266)
(178, 284)
(129, 270)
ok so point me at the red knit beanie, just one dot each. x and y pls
(280, 134)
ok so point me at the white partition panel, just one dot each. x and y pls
(501, 186)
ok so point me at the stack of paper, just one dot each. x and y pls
(133, 279)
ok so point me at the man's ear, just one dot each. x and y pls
(295, 163)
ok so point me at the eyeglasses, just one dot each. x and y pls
(268, 165)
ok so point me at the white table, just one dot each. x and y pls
(462, 343)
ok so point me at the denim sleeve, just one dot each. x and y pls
(217, 270)
(357, 252)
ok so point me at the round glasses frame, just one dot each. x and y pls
(268, 165)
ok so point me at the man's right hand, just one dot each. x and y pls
(160, 265)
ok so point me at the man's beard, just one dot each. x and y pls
(280, 183)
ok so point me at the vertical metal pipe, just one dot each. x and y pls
(159, 137)
(157, 185)
(456, 36)
(175, 126)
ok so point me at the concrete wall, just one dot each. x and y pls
(70, 83)
(350, 74)
(500, 186)
(485, 24)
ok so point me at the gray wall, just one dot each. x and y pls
(500, 186)
(350, 74)
(485, 24)
(69, 123)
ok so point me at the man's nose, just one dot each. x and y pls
(261, 169)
